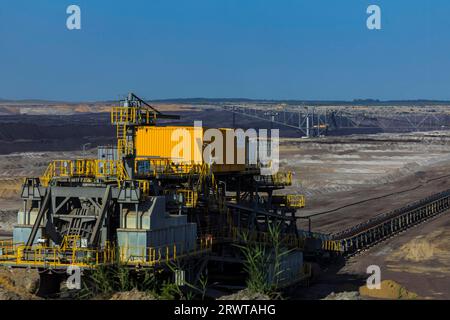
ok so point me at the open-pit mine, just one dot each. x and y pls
(91, 183)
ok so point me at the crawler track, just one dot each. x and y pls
(365, 235)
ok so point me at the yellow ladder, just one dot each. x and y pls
(123, 146)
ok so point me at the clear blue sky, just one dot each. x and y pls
(269, 49)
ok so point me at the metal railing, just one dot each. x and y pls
(132, 115)
(71, 254)
(290, 200)
(126, 116)
(295, 200)
(153, 167)
(123, 115)
(152, 256)
(87, 168)
(114, 169)
(55, 257)
(282, 178)
(278, 179)
(189, 197)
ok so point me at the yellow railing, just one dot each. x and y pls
(8, 248)
(331, 245)
(151, 256)
(88, 168)
(114, 169)
(144, 185)
(71, 241)
(122, 174)
(290, 200)
(93, 168)
(44, 256)
(277, 179)
(282, 178)
(190, 197)
(132, 115)
(71, 254)
(153, 167)
(295, 200)
(6, 242)
(125, 116)
(124, 147)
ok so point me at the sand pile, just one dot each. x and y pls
(424, 254)
(423, 248)
(10, 187)
(389, 290)
(417, 250)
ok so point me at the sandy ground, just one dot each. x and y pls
(334, 164)
(15, 167)
(418, 259)
(337, 211)
(381, 172)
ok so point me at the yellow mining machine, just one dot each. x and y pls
(140, 204)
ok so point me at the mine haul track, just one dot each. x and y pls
(384, 226)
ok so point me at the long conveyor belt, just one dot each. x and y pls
(384, 226)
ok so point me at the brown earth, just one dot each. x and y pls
(18, 284)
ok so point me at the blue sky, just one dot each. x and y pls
(267, 49)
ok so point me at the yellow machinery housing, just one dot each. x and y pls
(186, 145)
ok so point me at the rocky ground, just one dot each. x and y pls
(18, 284)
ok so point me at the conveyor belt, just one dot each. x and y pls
(384, 226)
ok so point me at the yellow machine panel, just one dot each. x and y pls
(186, 145)
(179, 144)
